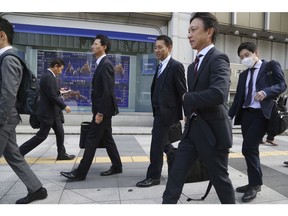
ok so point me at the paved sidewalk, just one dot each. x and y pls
(134, 146)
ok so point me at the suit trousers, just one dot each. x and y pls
(199, 142)
(99, 133)
(253, 126)
(159, 144)
(10, 150)
(42, 134)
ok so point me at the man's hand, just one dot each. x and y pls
(260, 96)
(67, 109)
(98, 118)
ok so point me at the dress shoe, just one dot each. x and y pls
(37, 195)
(272, 142)
(245, 188)
(148, 182)
(111, 171)
(250, 194)
(72, 175)
(286, 162)
(65, 157)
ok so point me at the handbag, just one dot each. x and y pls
(197, 173)
(278, 121)
(84, 128)
(175, 132)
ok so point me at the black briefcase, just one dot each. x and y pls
(198, 173)
(85, 126)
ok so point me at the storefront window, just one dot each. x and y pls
(134, 65)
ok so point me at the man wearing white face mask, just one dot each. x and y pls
(252, 106)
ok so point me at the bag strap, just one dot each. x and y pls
(205, 195)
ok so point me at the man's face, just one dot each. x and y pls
(198, 37)
(58, 69)
(161, 50)
(97, 48)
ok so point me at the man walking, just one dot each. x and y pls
(208, 132)
(168, 87)
(49, 112)
(11, 73)
(252, 107)
(104, 106)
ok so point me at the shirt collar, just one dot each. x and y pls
(166, 60)
(51, 72)
(99, 59)
(204, 51)
(258, 64)
(5, 49)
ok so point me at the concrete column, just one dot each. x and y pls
(178, 31)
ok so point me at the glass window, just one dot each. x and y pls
(134, 65)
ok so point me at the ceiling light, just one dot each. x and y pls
(254, 35)
(271, 37)
(286, 40)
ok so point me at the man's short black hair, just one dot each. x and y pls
(168, 41)
(7, 27)
(57, 61)
(247, 45)
(105, 41)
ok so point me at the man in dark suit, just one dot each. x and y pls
(208, 132)
(252, 107)
(168, 87)
(11, 74)
(104, 106)
(49, 112)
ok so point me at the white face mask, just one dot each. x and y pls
(248, 62)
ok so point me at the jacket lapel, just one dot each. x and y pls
(202, 66)
(165, 72)
(261, 70)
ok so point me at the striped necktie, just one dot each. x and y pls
(159, 69)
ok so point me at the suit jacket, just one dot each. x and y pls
(50, 104)
(10, 79)
(207, 96)
(171, 91)
(270, 79)
(102, 95)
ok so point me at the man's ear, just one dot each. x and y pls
(2, 34)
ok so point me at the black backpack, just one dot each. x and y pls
(28, 93)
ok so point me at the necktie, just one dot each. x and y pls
(248, 99)
(159, 69)
(196, 62)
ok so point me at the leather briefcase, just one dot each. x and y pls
(85, 126)
(198, 173)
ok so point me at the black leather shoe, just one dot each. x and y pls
(148, 182)
(65, 157)
(72, 175)
(111, 171)
(37, 195)
(286, 162)
(245, 188)
(251, 193)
